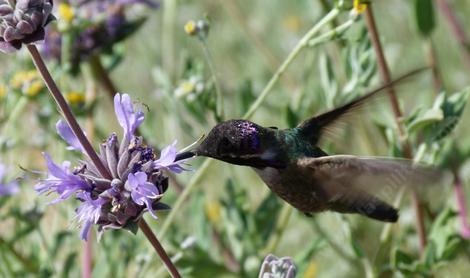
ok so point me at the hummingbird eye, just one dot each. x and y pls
(225, 146)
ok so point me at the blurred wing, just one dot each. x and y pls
(383, 177)
(314, 127)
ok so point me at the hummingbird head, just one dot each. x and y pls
(238, 142)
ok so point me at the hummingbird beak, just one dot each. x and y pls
(190, 151)
(185, 155)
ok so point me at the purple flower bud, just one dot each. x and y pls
(24, 23)
(128, 118)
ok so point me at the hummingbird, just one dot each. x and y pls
(293, 166)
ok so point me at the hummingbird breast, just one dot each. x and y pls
(289, 184)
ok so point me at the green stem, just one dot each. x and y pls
(218, 92)
(328, 36)
(295, 52)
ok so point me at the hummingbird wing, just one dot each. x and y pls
(347, 182)
(314, 127)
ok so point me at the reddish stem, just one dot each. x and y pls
(66, 111)
(159, 248)
(457, 29)
(87, 258)
(460, 196)
(385, 73)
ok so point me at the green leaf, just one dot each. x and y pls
(400, 258)
(424, 11)
(445, 236)
(266, 215)
(291, 118)
(430, 116)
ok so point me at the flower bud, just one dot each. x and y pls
(23, 23)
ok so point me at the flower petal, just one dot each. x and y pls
(64, 130)
(128, 118)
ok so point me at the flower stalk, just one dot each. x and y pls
(66, 111)
(159, 248)
(385, 73)
(462, 207)
(456, 27)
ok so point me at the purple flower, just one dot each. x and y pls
(89, 212)
(167, 159)
(9, 188)
(128, 118)
(142, 191)
(137, 182)
(64, 130)
(61, 181)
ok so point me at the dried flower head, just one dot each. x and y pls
(137, 184)
(24, 23)
(274, 267)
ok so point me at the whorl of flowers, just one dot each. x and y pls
(138, 182)
(24, 23)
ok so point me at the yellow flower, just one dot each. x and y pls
(23, 77)
(75, 98)
(359, 6)
(3, 91)
(311, 270)
(213, 210)
(190, 28)
(34, 89)
(291, 23)
(66, 12)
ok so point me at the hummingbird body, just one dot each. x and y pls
(295, 168)
(285, 160)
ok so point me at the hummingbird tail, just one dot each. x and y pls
(369, 206)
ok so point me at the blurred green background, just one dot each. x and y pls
(231, 221)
